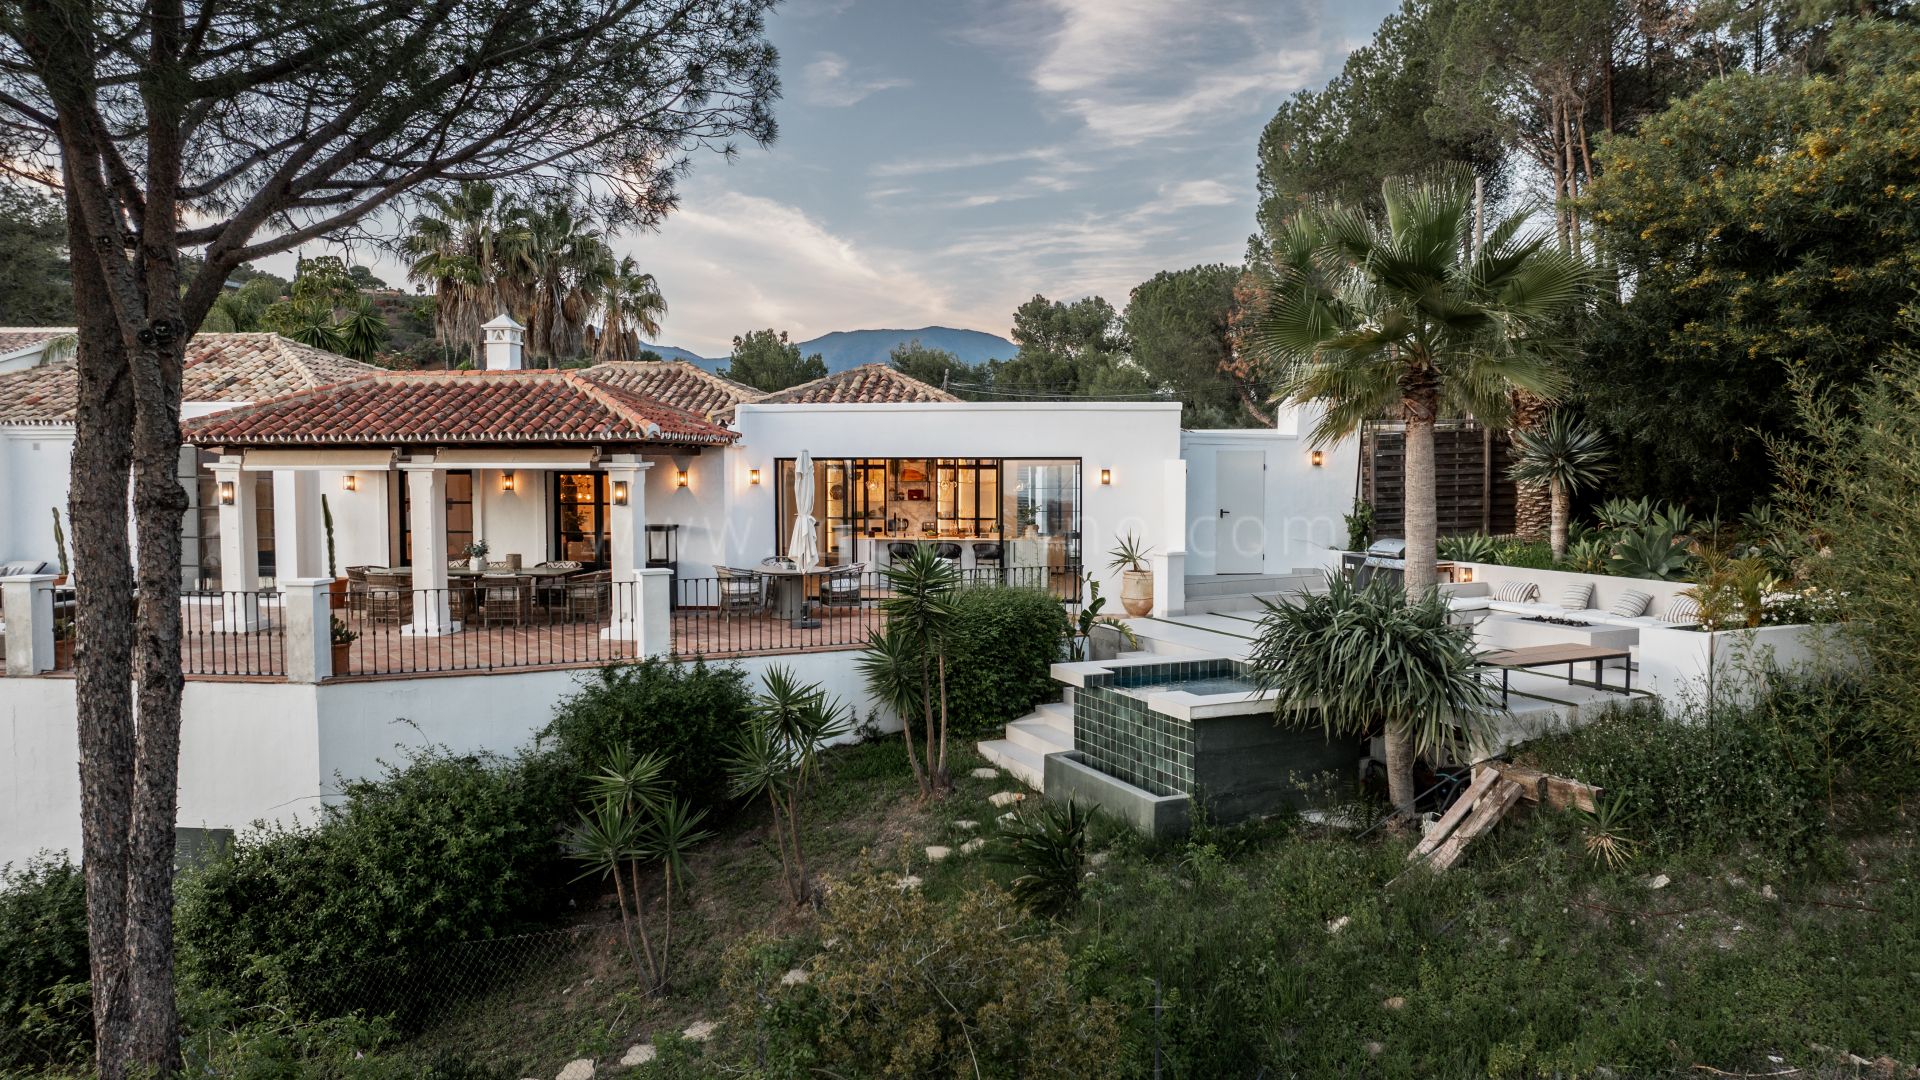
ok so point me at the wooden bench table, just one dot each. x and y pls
(1535, 656)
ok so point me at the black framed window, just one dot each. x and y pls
(459, 515)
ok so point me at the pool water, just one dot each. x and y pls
(1218, 684)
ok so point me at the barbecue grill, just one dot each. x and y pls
(1386, 557)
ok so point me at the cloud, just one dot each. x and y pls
(828, 82)
(731, 262)
(923, 166)
(1133, 71)
(1185, 193)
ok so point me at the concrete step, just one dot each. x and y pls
(1021, 763)
(1056, 714)
(1039, 736)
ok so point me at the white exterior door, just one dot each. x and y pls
(1240, 534)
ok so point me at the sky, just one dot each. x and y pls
(940, 161)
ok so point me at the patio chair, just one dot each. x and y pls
(845, 587)
(901, 551)
(740, 592)
(948, 551)
(589, 595)
(987, 560)
(389, 596)
(356, 589)
(503, 598)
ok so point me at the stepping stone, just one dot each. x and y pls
(700, 1030)
(1334, 926)
(1098, 858)
(638, 1054)
(1005, 798)
(577, 1069)
(973, 845)
(985, 773)
(796, 977)
(936, 853)
(1395, 1003)
(1660, 882)
(1009, 818)
(911, 881)
(965, 825)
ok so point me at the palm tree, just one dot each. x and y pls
(632, 307)
(1399, 317)
(556, 270)
(1565, 455)
(456, 248)
(1361, 658)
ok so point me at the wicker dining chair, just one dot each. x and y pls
(389, 596)
(589, 595)
(357, 589)
(503, 598)
(740, 592)
(845, 587)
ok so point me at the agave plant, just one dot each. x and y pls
(1623, 515)
(1564, 455)
(1590, 555)
(1650, 552)
(1049, 846)
(1473, 547)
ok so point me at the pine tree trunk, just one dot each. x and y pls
(103, 629)
(1421, 521)
(1559, 495)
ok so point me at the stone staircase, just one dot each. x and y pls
(1046, 730)
(1243, 592)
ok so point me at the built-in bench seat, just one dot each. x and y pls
(1477, 596)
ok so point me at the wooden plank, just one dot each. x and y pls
(1562, 793)
(1533, 782)
(1490, 810)
(1483, 780)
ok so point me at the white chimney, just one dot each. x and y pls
(505, 342)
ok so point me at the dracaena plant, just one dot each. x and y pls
(777, 756)
(1565, 455)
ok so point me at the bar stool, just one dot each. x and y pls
(900, 551)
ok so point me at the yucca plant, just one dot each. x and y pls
(905, 665)
(632, 822)
(1365, 659)
(1049, 846)
(1565, 455)
(1607, 841)
(777, 756)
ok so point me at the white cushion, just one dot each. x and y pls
(1516, 592)
(1684, 609)
(1575, 597)
(1469, 603)
(739, 586)
(1631, 604)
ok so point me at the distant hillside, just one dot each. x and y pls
(843, 349)
(670, 352)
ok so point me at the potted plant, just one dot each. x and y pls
(477, 556)
(337, 592)
(63, 640)
(343, 639)
(1136, 581)
(60, 545)
(1097, 636)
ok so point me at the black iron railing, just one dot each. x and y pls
(232, 633)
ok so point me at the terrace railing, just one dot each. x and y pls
(503, 625)
(232, 634)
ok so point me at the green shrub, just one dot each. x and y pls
(690, 714)
(1005, 641)
(347, 914)
(45, 1017)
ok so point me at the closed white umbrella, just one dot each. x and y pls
(803, 547)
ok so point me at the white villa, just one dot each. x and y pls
(627, 509)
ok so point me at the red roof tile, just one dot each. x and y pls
(456, 407)
(15, 338)
(675, 382)
(868, 384)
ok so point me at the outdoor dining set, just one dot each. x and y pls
(781, 587)
(501, 594)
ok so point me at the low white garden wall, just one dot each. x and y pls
(1733, 666)
(1606, 588)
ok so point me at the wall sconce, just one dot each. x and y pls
(1319, 458)
(679, 478)
(1106, 477)
(619, 493)
(753, 477)
(506, 480)
(1465, 574)
(226, 493)
(349, 482)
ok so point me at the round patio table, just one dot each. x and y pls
(792, 589)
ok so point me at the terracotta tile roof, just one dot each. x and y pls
(15, 338)
(456, 407)
(678, 383)
(868, 384)
(219, 367)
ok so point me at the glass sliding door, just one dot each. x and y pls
(459, 508)
(580, 518)
(1041, 502)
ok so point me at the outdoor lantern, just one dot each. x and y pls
(1466, 573)
(753, 477)
(1106, 476)
(679, 478)
(1319, 458)
(619, 493)
(506, 480)
(349, 482)
(660, 545)
(226, 493)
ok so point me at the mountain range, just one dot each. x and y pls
(843, 349)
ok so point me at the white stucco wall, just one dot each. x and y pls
(1305, 503)
(34, 465)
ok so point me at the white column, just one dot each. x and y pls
(627, 541)
(309, 625)
(427, 513)
(1170, 565)
(239, 547)
(299, 539)
(27, 602)
(654, 634)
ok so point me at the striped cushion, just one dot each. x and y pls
(1577, 597)
(1516, 592)
(1631, 605)
(1684, 609)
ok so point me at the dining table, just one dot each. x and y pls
(792, 588)
(543, 579)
